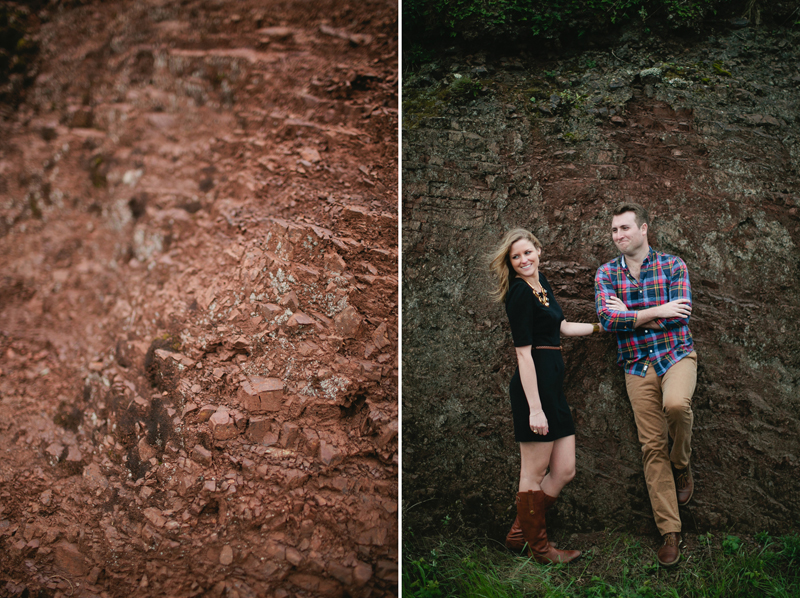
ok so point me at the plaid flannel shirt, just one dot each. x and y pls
(662, 278)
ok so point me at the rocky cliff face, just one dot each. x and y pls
(706, 136)
(198, 301)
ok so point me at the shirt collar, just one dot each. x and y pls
(650, 253)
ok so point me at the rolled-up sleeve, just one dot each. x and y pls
(679, 288)
(616, 321)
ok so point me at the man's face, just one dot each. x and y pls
(627, 236)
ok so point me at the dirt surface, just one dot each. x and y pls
(198, 302)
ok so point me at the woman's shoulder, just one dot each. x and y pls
(516, 284)
(517, 288)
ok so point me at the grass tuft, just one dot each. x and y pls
(613, 565)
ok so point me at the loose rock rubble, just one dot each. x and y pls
(198, 306)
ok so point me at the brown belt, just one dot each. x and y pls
(551, 348)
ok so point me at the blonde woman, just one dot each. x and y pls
(543, 423)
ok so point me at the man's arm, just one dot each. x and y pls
(675, 313)
(613, 320)
(660, 317)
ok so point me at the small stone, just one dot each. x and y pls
(270, 310)
(299, 319)
(155, 517)
(205, 413)
(362, 573)
(201, 454)
(311, 439)
(340, 572)
(348, 322)
(307, 348)
(289, 434)
(293, 556)
(226, 555)
(223, 426)
(258, 394)
(68, 558)
(328, 453)
(616, 84)
(316, 585)
(278, 33)
(54, 452)
(177, 357)
(146, 452)
(310, 154)
(94, 478)
(388, 434)
(260, 431)
(379, 337)
(290, 300)
(334, 262)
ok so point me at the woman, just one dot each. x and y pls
(543, 424)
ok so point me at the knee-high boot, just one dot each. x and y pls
(515, 541)
(531, 507)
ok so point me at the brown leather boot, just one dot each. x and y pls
(670, 552)
(530, 512)
(684, 484)
(515, 541)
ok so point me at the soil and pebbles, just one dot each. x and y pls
(198, 302)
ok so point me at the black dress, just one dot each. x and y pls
(536, 325)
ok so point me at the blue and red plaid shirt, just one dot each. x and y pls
(662, 278)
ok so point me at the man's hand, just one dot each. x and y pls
(615, 304)
(680, 308)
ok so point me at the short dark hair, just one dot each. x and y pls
(639, 211)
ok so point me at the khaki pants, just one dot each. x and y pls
(663, 405)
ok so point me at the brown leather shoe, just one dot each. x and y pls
(670, 553)
(684, 484)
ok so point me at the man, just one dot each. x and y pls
(644, 297)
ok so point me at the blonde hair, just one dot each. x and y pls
(500, 262)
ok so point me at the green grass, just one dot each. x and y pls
(613, 565)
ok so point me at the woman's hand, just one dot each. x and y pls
(616, 304)
(538, 422)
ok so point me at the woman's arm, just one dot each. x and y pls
(527, 374)
(578, 328)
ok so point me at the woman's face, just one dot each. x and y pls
(524, 258)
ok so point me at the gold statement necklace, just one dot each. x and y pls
(540, 295)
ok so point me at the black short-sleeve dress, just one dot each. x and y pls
(534, 324)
